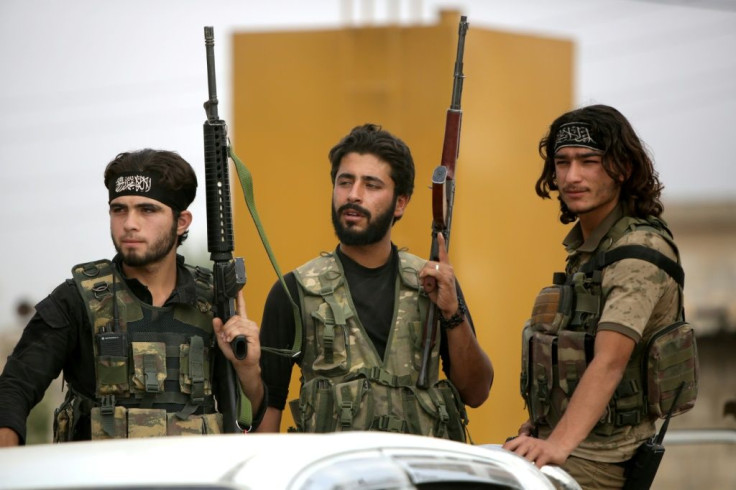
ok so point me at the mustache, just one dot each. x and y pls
(573, 188)
(354, 207)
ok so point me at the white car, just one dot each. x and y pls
(347, 460)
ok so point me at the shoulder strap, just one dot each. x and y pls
(323, 273)
(627, 224)
(604, 259)
(95, 281)
(205, 286)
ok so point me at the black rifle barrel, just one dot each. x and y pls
(209, 44)
(457, 85)
(229, 273)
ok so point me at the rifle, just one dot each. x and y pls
(443, 193)
(228, 272)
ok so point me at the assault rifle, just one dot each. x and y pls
(443, 194)
(228, 272)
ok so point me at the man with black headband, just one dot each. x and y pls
(363, 314)
(134, 336)
(583, 349)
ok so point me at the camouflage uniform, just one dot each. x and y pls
(153, 364)
(345, 384)
(638, 299)
(59, 337)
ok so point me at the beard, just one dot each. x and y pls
(374, 232)
(157, 251)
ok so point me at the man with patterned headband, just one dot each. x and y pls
(592, 392)
(134, 336)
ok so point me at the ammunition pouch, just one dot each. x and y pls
(71, 417)
(116, 422)
(552, 366)
(552, 309)
(672, 359)
(324, 406)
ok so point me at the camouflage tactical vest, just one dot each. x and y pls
(345, 385)
(152, 365)
(558, 342)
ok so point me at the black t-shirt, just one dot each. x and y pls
(59, 337)
(373, 292)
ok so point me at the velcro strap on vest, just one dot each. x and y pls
(188, 410)
(324, 406)
(172, 397)
(196, 368)
(385, 378)
(444, 416)
(571, 376)
(328, 342)
(172, 352)
(150, 372)
(630, 417)
(543, 391)
(387, 423)
(176, 401)
(628, 388)
(337, 313)
(107, 411)
(346, 408)
(338, 316)
(409, 400)
(587, 303)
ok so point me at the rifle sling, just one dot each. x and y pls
(246, 182)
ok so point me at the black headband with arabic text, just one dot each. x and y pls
(578, 134)
(146, 184)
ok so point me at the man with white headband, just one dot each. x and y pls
(134, 336)
(592, 400)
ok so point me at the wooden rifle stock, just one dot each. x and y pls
(443, 195)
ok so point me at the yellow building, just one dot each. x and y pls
(296, 94)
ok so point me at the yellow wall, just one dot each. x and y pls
(296, 94)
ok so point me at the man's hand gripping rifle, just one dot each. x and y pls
(443, 195)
